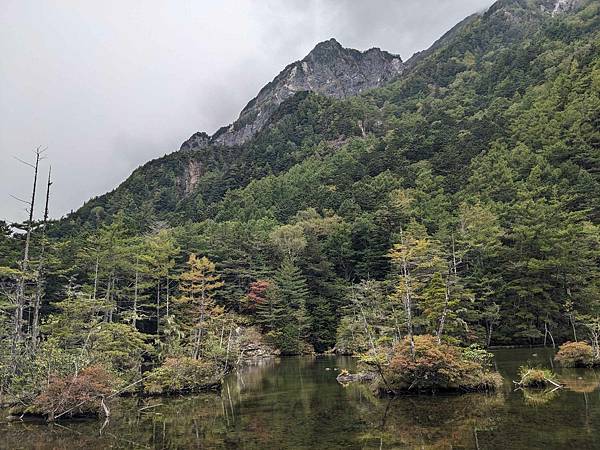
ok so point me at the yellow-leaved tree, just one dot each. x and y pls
(196, 304)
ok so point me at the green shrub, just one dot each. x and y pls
(575, 354)
(478, 354)
(436, 367)
(179, 375)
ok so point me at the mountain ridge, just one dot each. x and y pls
(328, 69)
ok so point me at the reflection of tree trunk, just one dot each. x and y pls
(383, 421)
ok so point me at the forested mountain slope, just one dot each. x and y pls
(476, 170)
(485, 60)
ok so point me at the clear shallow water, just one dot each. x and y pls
(297, 403)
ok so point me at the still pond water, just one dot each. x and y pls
(296, 403)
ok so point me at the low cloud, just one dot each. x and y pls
(110, 85)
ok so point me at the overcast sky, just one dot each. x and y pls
(108, 85)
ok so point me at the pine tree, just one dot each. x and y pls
(158, 262)
(292, 289)
(283, 315)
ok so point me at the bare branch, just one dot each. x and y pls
(19, 199)
(24, 162)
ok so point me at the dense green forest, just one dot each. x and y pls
(475, 176)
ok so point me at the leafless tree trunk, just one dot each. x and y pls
(595, 338)
(40, 271)
(158, 308)
(547, 333)
(440, 330)
(365, 323)
(200, 330)
(228, 347)
(452, 274)
(489, 332)
(168, 292)
(407, 297)
(96, 275)
(20, 298)
(135, 291)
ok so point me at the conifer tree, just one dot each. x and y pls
(158, 259)
(283, 314)
(196, 304)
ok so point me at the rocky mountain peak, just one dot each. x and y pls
(324, 50)
(329, 69)
(196, 140)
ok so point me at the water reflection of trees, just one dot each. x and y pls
(175, 422)
(580, 381)
(297, 404)
(424, 421)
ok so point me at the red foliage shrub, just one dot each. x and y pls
(79, 395)
(257, 294)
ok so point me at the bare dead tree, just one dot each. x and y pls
(39, 291)
(450, 280)
(20, 298)
(135, 291)
(407, 295)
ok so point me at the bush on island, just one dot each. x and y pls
(183, 375)
(575, 354)
(437, 367)
(78, 395)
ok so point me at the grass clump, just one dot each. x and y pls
(536, 377)
(575, 354)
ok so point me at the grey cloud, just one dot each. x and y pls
(110, 85)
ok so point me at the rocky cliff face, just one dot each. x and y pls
(328, 69)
